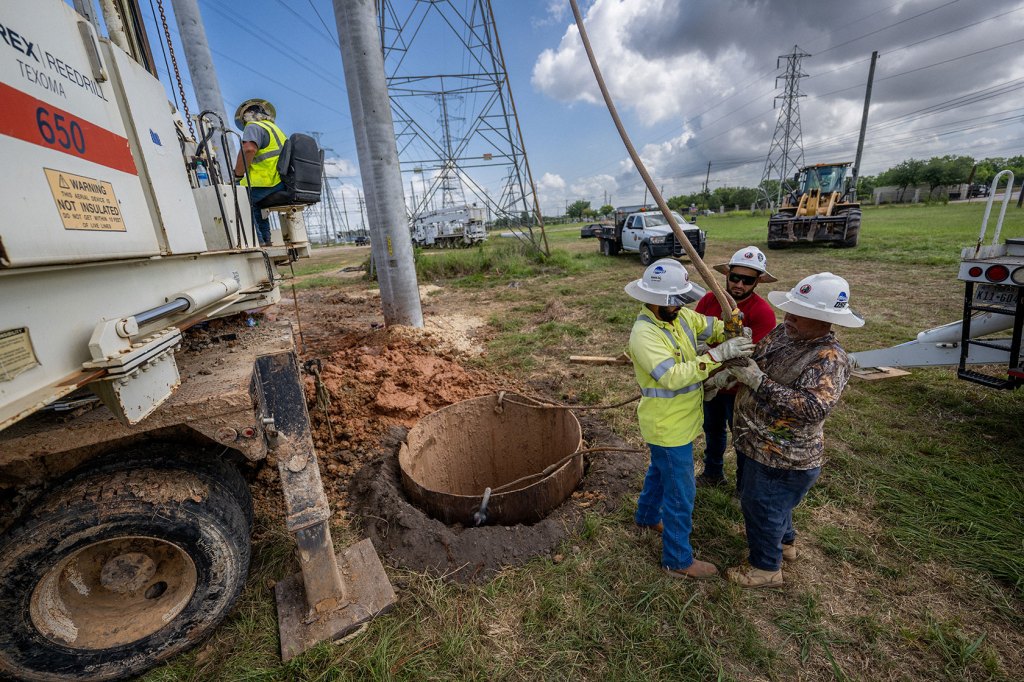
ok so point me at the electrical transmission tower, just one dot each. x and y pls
(456, 126)
(786, 153)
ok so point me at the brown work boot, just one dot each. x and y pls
(657, 527)
(748, 576)
(698, 570)
(789, 552)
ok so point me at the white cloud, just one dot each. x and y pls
(699, 78)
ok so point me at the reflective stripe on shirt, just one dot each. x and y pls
(658, 372)
(668, 393)
(708, 330)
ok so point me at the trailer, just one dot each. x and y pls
(993, 276)
(140, 389)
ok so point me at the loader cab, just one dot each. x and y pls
(824, 178)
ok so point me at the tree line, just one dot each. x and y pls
(935, 172)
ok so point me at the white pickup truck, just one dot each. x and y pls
(644, 230)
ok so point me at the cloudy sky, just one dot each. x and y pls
(694, 81)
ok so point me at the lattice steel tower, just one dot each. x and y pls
(786, 153)
(457, 129)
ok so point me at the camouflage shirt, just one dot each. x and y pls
(780, 424)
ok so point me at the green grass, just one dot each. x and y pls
(914, 533)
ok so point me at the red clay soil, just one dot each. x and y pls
(380, 383)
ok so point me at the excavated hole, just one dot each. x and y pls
(502, 442)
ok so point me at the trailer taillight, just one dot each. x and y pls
(975, 271)
(1018, 276)
(997, 273)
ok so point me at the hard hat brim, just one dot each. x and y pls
(765, 278)
(844, 318)
(694, 293)
(271, 111)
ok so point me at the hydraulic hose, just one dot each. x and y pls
(730, 313)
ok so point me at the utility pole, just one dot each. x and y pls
(363, 60)
(864, 123)
(707, 188)
(204, 77)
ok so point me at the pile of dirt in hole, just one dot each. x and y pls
(405, 536)
(379, 381)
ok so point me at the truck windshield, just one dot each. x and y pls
(654, 219)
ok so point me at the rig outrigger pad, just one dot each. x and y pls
(332, 595)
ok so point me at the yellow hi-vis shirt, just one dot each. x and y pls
(671, 374)
(263, 171)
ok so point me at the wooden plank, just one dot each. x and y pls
(599, 360)
(876, 373)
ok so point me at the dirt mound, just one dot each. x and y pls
(407, 537)
(378, 381)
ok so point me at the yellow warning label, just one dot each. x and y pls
(84, 203)
(16, 354)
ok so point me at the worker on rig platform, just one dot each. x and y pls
(791, 384)
(261, 146)
(663, 347)
(743, 272)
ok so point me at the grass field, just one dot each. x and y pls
(913, 540)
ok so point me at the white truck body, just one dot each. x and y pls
(456, 226)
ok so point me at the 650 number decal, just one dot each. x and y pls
(60, 130)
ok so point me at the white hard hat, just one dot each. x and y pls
(665, 282)
(254, 102)
(749, 257)
(824, 297)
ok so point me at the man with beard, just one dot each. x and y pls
(671, 375)
(744, 271)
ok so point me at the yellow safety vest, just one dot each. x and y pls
(263, 171)
(671, 374)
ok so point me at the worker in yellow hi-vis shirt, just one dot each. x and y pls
(663, 347)
(261, 146)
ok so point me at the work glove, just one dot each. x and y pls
(749, 374)
(736, 347)
(713, 385)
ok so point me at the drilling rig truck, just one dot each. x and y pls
(134, 407)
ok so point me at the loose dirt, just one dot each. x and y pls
(411, 539)
(379, 382)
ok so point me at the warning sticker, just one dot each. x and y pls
(84, 203)
(16, 354)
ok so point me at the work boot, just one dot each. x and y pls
(698, 570)
(656, 527)
(789, 552)
(748, 576)
(705, 481)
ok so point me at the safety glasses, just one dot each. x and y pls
(746, 279)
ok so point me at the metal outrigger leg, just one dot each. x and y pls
(333, 595)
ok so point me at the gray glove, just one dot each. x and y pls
(749, 374)
(716, 383)
(736, 347)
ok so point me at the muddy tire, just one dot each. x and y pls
(118, 569)
(852, 231)
(777, 244)
(605, 246)
(646, 257)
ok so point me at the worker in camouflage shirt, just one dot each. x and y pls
(791, 384)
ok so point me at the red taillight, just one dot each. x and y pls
(975, 271)
(997, 273)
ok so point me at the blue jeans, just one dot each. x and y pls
(262, 224)
(768, 497)
(667, 496)
(717, 417)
